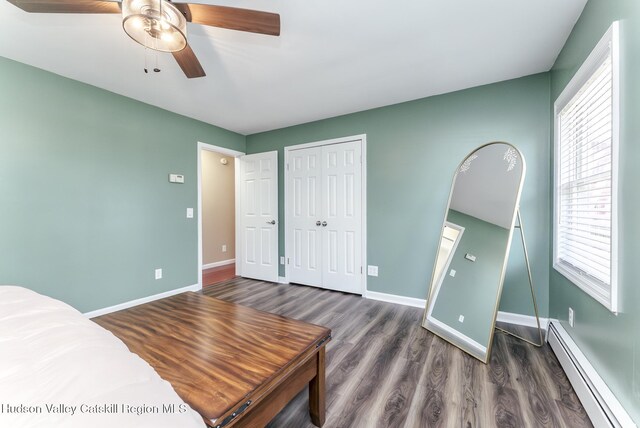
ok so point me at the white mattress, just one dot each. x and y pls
(51, 355)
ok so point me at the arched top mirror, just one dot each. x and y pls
(470, 264)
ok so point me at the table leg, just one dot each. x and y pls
(317, 391)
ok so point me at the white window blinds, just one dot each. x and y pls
(585, 194)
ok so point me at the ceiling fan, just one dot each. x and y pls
(162, 25)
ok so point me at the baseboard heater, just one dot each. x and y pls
(601, 405)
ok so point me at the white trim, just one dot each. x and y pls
(608, 42)
(211, 148)
(363, 140)
(136, 302)
(282, 280)
(599, 402)
(436, 290)
(506, 317)
(239, 247)
(218, 264)
(615, 124)
(393, 298)
(340, 140)
(363, 153)
(523, 320)
(452, 333)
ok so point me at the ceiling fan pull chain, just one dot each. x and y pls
(146, 70)
(157, 69)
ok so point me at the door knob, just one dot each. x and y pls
(318, 223)
(272, 222)
(324, 224)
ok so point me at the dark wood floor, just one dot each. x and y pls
(384, 370)
(218, 274)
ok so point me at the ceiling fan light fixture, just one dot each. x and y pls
(155, 24)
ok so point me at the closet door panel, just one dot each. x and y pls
(342, 211)
(305, 241)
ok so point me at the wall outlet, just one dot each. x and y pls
(452, 273)
(282, 260)
(189, 212)
(372, 270)
(158, 273)
(571, 317)
(461, 318)
(224, 248)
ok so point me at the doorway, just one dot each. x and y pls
(217, 207)
(451, 236)
(250, 240)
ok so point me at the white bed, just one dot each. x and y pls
(51, 355)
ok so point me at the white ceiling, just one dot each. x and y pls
(333, 56)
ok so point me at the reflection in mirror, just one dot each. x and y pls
(474, 245)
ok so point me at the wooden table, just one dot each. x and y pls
(235, 365)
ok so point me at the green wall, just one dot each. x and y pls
(87, 214)
(86, 209)
(612, 343)
(474, 289)
(413, 149)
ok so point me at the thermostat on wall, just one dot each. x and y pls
(176, 178)
(470, 257)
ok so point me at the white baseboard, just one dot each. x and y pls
(282, 280)
(136, 302)
(217, 264)
(507, 317)
(523, 320)
(393, 298)
(601, 405)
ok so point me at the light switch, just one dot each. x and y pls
(189, 212)
(452, 273)
(470, 257)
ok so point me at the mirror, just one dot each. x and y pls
(468, 273)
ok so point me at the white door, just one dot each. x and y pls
(304, 215)
(324, 215)
(342, 216)
(259, 216)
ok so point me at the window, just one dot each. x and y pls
(586, 147)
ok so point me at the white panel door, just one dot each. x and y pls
(342, 216)
(304, 214)
(324, 216)
(259, 216)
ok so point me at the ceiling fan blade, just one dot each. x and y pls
(233, 18)
(67, 6)
(189, 63)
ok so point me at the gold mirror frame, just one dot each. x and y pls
(514, 216)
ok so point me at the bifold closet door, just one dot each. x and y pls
(325, 214)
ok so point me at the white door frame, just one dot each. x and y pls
(229, 152)
(363, 139)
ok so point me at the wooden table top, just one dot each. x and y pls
(214, 353)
